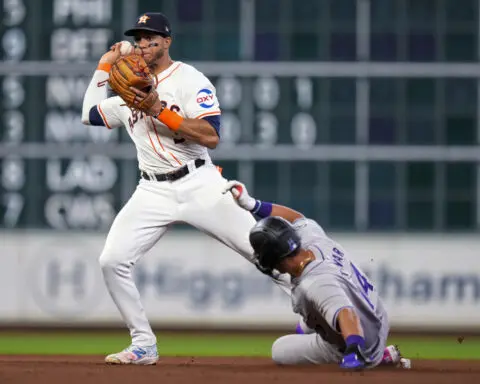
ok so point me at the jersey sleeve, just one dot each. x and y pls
(96, 102)
(307, 227)
(328, 297)
(200, 97)
(111, 110)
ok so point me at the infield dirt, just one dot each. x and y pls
(91, 369)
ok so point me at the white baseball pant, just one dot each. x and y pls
(195, 199)
(312, 349)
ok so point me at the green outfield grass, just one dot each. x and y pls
(177, 344)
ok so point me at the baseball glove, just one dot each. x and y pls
(132, 71)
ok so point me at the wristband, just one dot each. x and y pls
(104, 67)
(171, 119)
(262, 209)
(355, 340)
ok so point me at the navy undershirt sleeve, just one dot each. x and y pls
(214, 122)
(94, 116)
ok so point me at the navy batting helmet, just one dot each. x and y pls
(273, 238)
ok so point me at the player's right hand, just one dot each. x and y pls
(354, 358)
(240, 193)
(111, 56)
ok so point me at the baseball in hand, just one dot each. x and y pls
(126, 48)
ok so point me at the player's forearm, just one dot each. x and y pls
(349, 323)
(95, 93)
(288, 214)
(258, 207)
(264, 209)
(199, 131)
(354, 355)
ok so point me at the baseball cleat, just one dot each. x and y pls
(134, 355)
(405, 363)
(391, 355)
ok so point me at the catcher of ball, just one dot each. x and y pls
(131, 71)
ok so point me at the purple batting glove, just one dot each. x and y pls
(352, 361)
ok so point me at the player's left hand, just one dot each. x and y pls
(355, 358)
(131, 79)
(151, 107)
(240, 193)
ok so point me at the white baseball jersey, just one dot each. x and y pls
(195, 199)
(184, 90)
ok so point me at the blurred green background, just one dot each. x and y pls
(213, 344)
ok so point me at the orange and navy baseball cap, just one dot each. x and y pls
(151, 21)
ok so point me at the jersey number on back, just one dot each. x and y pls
(365, 286)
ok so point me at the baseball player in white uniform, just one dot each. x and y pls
(333, 296)
(178, 181)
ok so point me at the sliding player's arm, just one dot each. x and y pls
(257, 207)
(329, 299)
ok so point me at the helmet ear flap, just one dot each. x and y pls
(261, 241)
(268, 260)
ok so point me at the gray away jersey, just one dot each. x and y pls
(332, 282)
